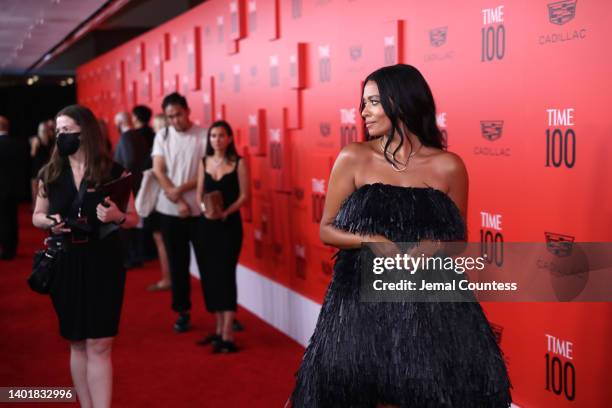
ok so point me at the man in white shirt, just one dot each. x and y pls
(177, 152)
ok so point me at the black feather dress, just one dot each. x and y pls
(406, 354)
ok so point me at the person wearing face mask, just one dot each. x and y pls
(88, 285)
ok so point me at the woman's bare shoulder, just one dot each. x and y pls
(448, 167)
(357, 151)
(446, 161)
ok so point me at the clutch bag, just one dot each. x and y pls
(213, 203)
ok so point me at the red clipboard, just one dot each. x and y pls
(118, 190)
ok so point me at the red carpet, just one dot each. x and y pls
(153, 366)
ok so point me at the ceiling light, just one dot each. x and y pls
(63, 83)
(70, 81)
(30, 81)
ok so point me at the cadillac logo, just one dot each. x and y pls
(355, 52)
(437, 36)
(491, 129)
(325, 128)
(562, 11)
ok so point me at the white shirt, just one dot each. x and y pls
(182, 152)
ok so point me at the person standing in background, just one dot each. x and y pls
(105, 136)
(123, 122)
(50, 125)
(40, 151)
(133, 153)
(141, 116)
(9, 161)
(151, 224)
(222, 171)
(132, 149)
(159, 122)
(177, 151)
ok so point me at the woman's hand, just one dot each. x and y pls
(382, 246)
(217, 216)
(57, 226)
(425, 247)
(107, 211)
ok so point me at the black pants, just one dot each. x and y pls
(177, 233)
(8, 226)
(132, 240)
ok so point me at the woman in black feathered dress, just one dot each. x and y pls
(400, 185)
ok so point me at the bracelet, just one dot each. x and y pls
(122, 221)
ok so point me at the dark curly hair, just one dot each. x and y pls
(407, 100)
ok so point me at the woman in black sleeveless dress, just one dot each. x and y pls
(221, 170)
(87, 289)
(400, 185)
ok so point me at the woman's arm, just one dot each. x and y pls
(341, 185)
(39, 217)
(200, 185)
(453, 172)
(131, 216)
(243, 181)
(34, 145)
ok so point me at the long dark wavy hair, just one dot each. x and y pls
(98, 161)
(230, 152)
(407, 100)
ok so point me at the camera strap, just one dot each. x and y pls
(77, 204)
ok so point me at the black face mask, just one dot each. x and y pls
(68, 143)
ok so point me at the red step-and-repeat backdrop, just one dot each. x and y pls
(522, 89)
